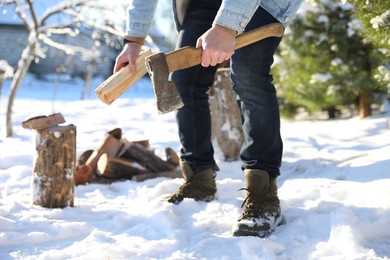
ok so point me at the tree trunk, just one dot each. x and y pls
(1, 81)
(23, 66)
(332, 112)
(88, 80)
(225, 116)
(364, 104)
(54, 167)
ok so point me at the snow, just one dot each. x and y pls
(334, 189)
(6, 69)
(9, 16)
(380, 20)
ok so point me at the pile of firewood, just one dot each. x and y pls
(117, 158)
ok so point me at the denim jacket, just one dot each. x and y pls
(233, 14)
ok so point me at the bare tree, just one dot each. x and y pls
(6, 71)
(40, 31)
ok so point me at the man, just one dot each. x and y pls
(213, 25)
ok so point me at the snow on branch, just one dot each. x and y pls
(71, 49)
(62, 7)
(382, 20)
(62, 30)
(6, 69)
(105, 28)
(109, 28)
(19, 12)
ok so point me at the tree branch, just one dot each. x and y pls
(20, 14)
(62, 7)
(34, 18)
(69, 49)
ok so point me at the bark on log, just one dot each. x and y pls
(172, 157)
(83, 175)
(54, 167)
(116, 132)
(42, 122)
(126, 144)
(175, 173)
(118, 168)
(147, 158)
(225, 117)
(144, 143)
(83, 159)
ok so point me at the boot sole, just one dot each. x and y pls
(205, 199)
(262, 234)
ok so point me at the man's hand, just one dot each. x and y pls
(217, 44)
(129, 56)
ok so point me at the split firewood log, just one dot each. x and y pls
(118, 168)
(126, 144)
(116, 132)
(83, 158)
(83, 175)
(110, 145)
(172, 156)
(175, 173)
(147, 158)
(144, 143)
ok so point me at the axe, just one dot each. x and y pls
(159, 65)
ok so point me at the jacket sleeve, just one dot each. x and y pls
(139, 17)
(236, 14)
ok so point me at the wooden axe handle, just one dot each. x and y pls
(122, 80)
(188, 56)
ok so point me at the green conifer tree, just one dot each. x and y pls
(375, 17)
(325, 63)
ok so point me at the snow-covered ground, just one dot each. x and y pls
(334, 190)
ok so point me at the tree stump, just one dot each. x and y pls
(54, 166)
(225, 116)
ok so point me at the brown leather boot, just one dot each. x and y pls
(261, 213)
(199, 186)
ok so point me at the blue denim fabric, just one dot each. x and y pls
(256, 96)
(193, 119)
(234, 14)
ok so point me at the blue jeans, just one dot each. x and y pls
(252, 83)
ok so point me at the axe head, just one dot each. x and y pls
(167, 97)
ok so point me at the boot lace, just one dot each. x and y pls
(258, 205)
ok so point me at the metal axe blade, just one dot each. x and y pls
(167, 97)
